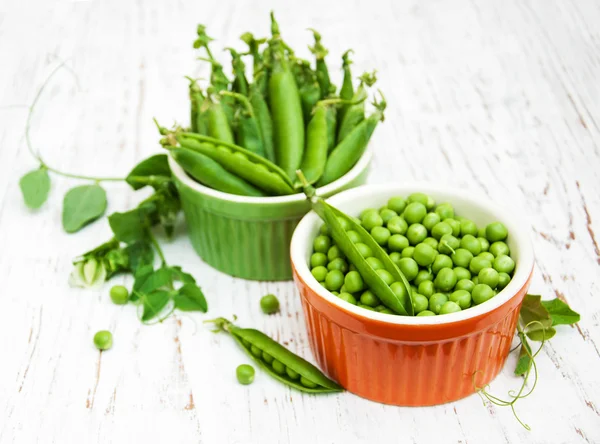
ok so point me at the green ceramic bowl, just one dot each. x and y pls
(249, 237)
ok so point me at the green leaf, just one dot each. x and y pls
(82, 205)
(532, 311)
(151, 171)
(182, 276)
(154, 303)
(524, 361)
(35, 186)
(540, 334)
(140, 254)
(161, 278)
(190, 298)
(132, 225)
(560, 312)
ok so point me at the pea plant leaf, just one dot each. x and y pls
(152, 171)
(132, 225)
(154, 303)
(35, 186)
(82, 205)
(524, 360)
(154, 280)
(534, 319)
(190, 298)
(540, 334)
(560, 312)
(140, 253)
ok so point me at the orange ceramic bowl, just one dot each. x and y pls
(412, 361)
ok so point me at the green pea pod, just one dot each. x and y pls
(332, 116)
(345, 155)
(198, 118)
(218, 122)
(253, 50)
(240, 83)
(347, 89)
(355, 113)
(210, 173)
(315, 155)
(263, 116)
(278, 361)
(286, 108)
(320, 53)
(400, 304)
(248, 133)
(308, 86)
(249, 166)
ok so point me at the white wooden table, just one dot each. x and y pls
(498, 97)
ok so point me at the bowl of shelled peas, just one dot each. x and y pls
(411, 293)
(235, 165)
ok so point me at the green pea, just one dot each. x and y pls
(487, 256)
(385, 275)
(399, 290)
(416, 234)
(397, 225)
(381, 235)
(478, 264)
(119, 295)
(245, 374)
(278, 367)
(471, 244)
(338, 264)
(489, 276)
(448, 244)
(364, 250)
(344, 223)
(322, 243)
(485, 245)
(504, 264)
(353, 282)
(498, 248)
(387, 311)
(395, 257)
(431, 242)
(440, 229)
(426, 288)
(318, 259)
(319, 273)
(291, 373)
(464, 284)
(408, 252)
(462, 298)
(417, 197)
(503, 280)
(386, 214)
(369, 299)
(430, 220)
(424, 254)
(267, 357)
(334, 280)
(397, 204)
(462, 273)
(409, 267)
(246, 343)
(269, 304)
(482, 293)
(325, 230)
(354, 236)
(468, 227)
(103, 340)
(397, 242)
(375, 263)
(426, 313)
(347, 297)
(436, 301)
(420, 303)
(450, 307)
(475, 280)
(455, 225)
(366, 307)
(337, 293)
(364, 213)
(255, 351)
(445, 211)
(462, 257)
(307, 383)
(423, 275)
(481, 232)
(334, 252)
(380, 307)
(496, 231)
(414, 212)
(445, 279)
(372, 220)
(441, 261)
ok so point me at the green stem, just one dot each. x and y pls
(38, 156)
(157, 248)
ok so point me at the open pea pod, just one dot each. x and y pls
(278, 361)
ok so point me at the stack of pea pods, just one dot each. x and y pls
(250, 138)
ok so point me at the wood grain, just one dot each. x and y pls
(501, 98)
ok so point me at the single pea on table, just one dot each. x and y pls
(450, 263)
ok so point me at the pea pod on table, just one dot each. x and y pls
(388, 284)
(320, 53)
(248, 133)
(355, 113)
(278, 361)
(247, 165)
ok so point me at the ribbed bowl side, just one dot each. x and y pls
(257, 250)
(409, 374)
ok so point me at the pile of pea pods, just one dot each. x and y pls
(410, 257)
(249, 135)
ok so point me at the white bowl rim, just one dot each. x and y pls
(517, 228)
(330, 188)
